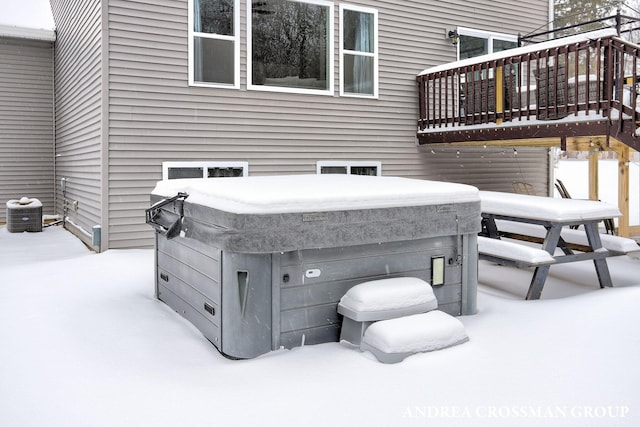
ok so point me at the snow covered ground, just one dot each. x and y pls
(84, 342)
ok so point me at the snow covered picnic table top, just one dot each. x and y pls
(312, 193)
(545, 208)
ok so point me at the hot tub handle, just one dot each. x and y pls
(167, 223)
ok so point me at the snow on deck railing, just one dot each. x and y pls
(590, 75)
(532, 48)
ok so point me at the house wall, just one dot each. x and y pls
(155, 116)
(26, 121)
(78, 80)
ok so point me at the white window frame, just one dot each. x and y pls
(348, 164)
(330, 65)
(236, 49)
(489, 35)
(375, 54)
(204, 165)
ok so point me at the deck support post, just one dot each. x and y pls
(593, 175)
(623, 190)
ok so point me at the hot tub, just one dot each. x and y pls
(260, 263)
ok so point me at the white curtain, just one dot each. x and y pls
(197, 42)
(362, 71)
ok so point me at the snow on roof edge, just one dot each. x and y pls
(592, 35)
(27, 33)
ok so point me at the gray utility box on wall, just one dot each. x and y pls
(260, 263)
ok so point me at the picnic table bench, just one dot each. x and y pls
(526, 219)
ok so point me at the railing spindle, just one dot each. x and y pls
(587, 95)
(583, 86)
(634, 94)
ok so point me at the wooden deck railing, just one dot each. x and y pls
(580, 79)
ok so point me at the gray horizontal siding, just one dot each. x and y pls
(78, 69)
(26, 122)
(491, 168)
(154, 116)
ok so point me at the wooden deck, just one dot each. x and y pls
(578, 93)
(581, 86)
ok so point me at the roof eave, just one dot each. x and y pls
(27, 33)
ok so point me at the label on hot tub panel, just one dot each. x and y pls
(315, 216)
(445, 208)
(312, 272)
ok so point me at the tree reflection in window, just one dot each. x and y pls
(290, 44)
(214, 41)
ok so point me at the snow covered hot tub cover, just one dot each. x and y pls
(310, 193)
(290, 212)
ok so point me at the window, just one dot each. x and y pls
(214, 46)
(475, 42)
(177, 170)
(289, 45)
(358, 51)
(349, 167)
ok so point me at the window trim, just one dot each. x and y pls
(204, 165)
(348, 164)
(236, 48)
(375, 55)
(330, 65)
(489, 35)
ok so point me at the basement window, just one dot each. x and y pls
(349, 167)
(179, 170)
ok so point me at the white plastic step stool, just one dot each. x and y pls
(383, 299)
(393, 340)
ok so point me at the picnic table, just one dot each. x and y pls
(546, 221)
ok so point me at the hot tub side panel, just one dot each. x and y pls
(246, 304)
(311, 282)
(226, 295)
(188, 279)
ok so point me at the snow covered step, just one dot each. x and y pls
(382, 299)
(393, 340)
(521, 255)
(609, 242)
(578, 237)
